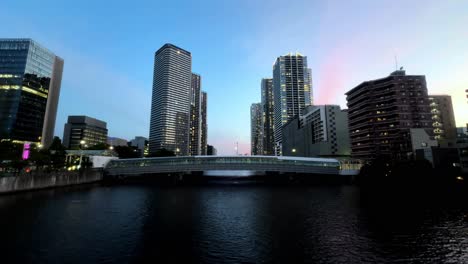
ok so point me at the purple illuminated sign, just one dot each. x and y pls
(26, 148)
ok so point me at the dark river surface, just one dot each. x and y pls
(231, 223)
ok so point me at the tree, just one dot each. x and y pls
(126, 152)
(39, 157)
(10, 151)
(57, 153)
(162, 153)
(100, 146)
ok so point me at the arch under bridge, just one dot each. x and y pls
(258, 165)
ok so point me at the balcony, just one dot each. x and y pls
(359, 104)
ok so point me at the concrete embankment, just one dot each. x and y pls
(41, 180)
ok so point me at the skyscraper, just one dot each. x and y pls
(195, 116)
(170, 103)
(443, 118)
(204, 124)
(256, 129)
(30, 79)
(268, 117)
(381, 113)
(292, 91)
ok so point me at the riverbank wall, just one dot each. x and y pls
(41, 180)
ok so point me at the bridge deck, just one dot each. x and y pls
(188, 164)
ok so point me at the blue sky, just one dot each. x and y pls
(108, 48)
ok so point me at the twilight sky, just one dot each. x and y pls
(108, 48)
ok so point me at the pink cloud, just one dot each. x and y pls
(226, 144)
(329, 86)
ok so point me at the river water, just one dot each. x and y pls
(230, 223)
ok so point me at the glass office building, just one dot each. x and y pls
(30, 78)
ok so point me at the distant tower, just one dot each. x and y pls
(256, 129)
(170, 103)
(204, 123)
(268, 116)
(292, 91)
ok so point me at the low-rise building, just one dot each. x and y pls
(84, 129)
(141, 143)
(321, 131)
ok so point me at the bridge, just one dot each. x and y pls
(257, 165)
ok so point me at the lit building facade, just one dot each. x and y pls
(320, 131)
(268, 116)
(443, 118)
(381, 113)
(291, 91)
(84, 128)
(170, 103)
(30, 79)
(256, 129)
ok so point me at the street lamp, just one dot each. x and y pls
(294, 150)
(177, 151)
(82, 142)
(111, 147)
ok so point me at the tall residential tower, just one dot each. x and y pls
(195, 116)
(30, 79)
(268, 117)
(170, 103)
(292, 91)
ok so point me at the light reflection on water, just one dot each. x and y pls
(229, 224)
